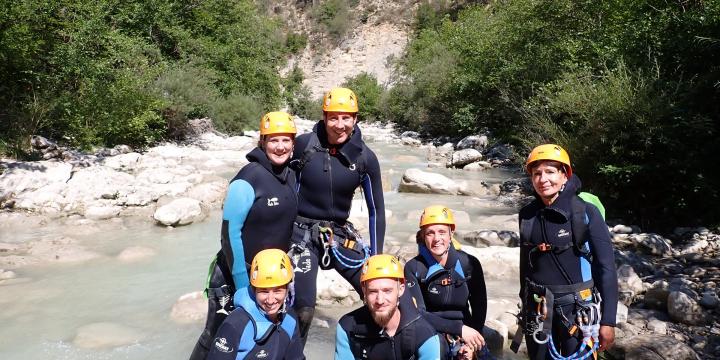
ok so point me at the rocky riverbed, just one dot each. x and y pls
(56, 211)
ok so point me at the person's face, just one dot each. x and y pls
(339, 126)
(271, 300)
(278, 148)
(547, 180)
(382, 297)
(437, 238)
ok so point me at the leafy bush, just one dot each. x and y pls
(369, 93)
(334, 16)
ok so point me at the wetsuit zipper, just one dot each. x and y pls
(332, 197)
(543, 230)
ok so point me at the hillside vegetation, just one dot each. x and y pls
(630, 88)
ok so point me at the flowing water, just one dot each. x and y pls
(42, 310)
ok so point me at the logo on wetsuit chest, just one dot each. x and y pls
(351, 167)
(262, 354)
(273, 201)
(222, 345)
(563, 233)
(434, 290)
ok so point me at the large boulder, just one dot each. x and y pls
(653, 244)
(683, 307)
(99, 212)
(181, 211)
(629, 284)
(418, 181)
(333, 289)
(477, 142)
(496, 336)
(463, 157)
(499, 262)
(652, 347)
(106, 335)
(210, 194)
(20, 177)
(189, 308)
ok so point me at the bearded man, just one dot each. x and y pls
(386, 327)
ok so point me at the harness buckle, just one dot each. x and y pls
(544, 247)
(446, 281)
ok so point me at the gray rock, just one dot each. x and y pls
(477, 166)
(136, 253)
(408, 141)
(463, 157)
(484, 238)
(709, 300)
(7, 275)
(652, 347)
(629, 284)
(503, 152)
(652, 243)
(189, 308)
(181, 211)
(657, 326)
(105, 335)
(418, 181)
(622, 313)
(477, 142)
(410, 134)
(102, 212)
(622, 229)
(683, 308)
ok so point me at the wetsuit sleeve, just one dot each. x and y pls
(372, 188)
(238, 202)
(342, 345)
(441, 324)
(478, 295)
(603, 265)
(430, 349)
(225, 344)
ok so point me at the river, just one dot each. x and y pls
(44, 308)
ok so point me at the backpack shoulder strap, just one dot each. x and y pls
(311, 148)
(579, 224)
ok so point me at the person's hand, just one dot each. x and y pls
(607, 337)
(472, 337)
(466, 353)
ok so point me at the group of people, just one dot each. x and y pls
(285, 216)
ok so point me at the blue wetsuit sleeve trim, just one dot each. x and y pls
(603, 265)
(342, 345)
(372, 188)
(430, 349)
(238, 202)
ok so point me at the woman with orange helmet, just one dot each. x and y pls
(448, 284)
(258, 213)
(262, 326)
(567, 264)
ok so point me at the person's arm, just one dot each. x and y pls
(372, 188)
(294, 351)
(430, 349)
(603, 265)
(478, 295)
(342, 345)
(440, 323)
(238, 201)
(225, 344)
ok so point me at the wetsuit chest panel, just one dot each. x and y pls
(445, 290)
(557, 233)
(327, 194)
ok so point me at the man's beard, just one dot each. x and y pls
(382, 318)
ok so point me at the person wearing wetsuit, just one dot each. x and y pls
(331, 163)
(258, 213)
(567, 264)
(388, 327)
(261, 326)
(446, 283)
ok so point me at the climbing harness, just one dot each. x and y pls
(329, 243)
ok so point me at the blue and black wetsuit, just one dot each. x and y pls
(565, 265)
(248, 334)
(445, 294)
(359, 337)
(258, 213)
(328, 176)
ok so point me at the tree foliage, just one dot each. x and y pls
(110, 71)
(632, 89)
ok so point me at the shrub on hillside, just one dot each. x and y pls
(369, 93)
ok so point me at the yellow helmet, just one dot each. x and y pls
(550, 152)
(270, 268)
(382, 266)
(340, 100)
(277, 122)
(437, 214)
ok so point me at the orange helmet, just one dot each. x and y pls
(549, 152)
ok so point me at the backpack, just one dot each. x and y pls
(580, 219)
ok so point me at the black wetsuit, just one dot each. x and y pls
(445, 294)
(327, 179)
(359, 337)
(553, 225)
(248, 334)
(258, 213)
